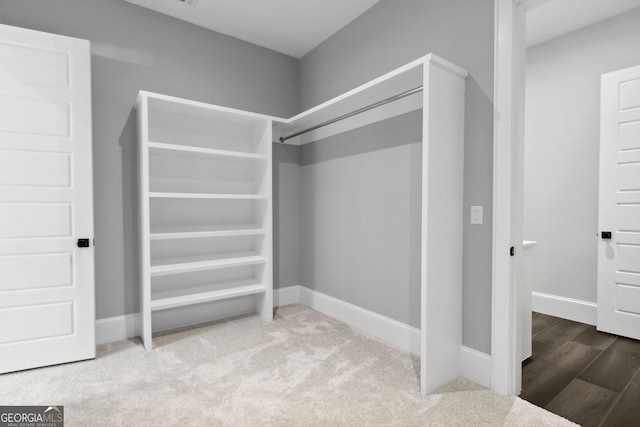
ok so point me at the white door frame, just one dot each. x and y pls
(508, 187)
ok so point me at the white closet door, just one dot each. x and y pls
(47, 306)
(619, 210)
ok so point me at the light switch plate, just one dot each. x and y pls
(476, 215)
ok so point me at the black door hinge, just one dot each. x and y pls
(512, 251)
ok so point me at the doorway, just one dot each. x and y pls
(508, 204)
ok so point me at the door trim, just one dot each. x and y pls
(508, 177)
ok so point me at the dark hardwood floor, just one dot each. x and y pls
(586, 376)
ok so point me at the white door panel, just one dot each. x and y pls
(36, 271)
(628, 298)
(629, 217)
(47, 307)
(35, 220)
(19, 59)
(630, 135)
(42, 169)
(629, 258)
(629, 93)
(619, 212)
(60, 322)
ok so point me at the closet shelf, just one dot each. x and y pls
(167, 266)
(162, 195)
(188, 149)
(194, 232)
(166, 300)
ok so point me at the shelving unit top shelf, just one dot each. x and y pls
(180, 106)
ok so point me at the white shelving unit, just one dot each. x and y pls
(205, 206)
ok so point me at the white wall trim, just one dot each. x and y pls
(392, 332)
(475, 366)
(567, 308)
(118, 328)
(503, 306)
(508, 178)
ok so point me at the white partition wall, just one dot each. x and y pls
(206, 209)
(442, 216)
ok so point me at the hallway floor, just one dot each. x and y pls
(589, 377)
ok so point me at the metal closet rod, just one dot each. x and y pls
(353, 113)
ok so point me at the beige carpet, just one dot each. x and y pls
(304, 369)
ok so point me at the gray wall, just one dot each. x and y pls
(286, 215)
(361, 205)
(132, 49)
(377, 269)
(562, 150)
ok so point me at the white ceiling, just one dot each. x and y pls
(293, 27)
(553, 18)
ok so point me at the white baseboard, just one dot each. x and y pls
(567, 308)
(394, 333)
(112, 329)
(118, 328)
(475, 365)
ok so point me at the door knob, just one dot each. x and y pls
(606, 235)
(83, 243)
